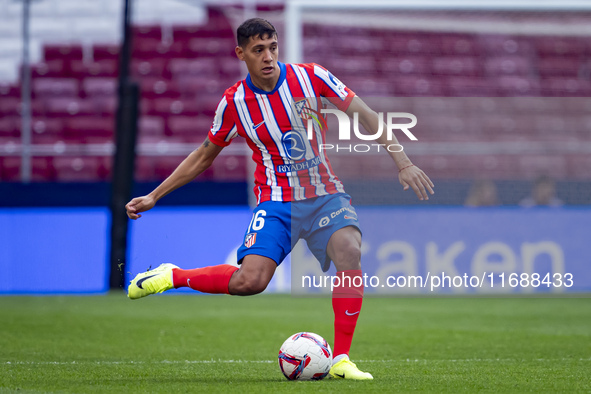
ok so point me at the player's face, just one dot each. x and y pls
(260, 56)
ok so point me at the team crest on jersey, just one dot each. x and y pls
(250, 239)
(305, 112)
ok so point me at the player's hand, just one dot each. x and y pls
(139, 204)
(413, 177)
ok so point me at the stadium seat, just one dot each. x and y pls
(144, 169)
(560, 46)
(191, 128)
(99, 68)
(8, 89)
(401, 43)
(202, 67)
(362, 44)
(151, 126)
(208, 104)
(456, 65)
(405, 65)
(517, 86)
(166, 107)
(99, 87)
(532, 166)
(470, 87)
(508, 65)
(417, 86)
(9, 106)
(200, 85)
(494, 45)
(87, 126)
(222, 47)
(62, 51)
(79, 169)
(106, 52)
(227, 168)
(153, 87)
(566, 87)
(55, 87)
(68, 107)
(56, 68)
(460, 45)
(140, 32)
(52, 128)
(41, 169)
(104, 105)
(165, 165)
(369, 86)
(9, 126)
(563, 66)
(151, 49)
(152, 67)
(230, 69)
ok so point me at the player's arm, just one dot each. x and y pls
(409, 175)
(198, 161)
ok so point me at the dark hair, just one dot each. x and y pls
(254, 27)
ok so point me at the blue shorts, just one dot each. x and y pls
(277, 226)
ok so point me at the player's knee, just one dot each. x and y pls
(248, 285)
(348, 257)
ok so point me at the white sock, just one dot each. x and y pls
(338, 358)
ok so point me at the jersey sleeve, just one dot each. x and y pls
(332, 88)
(223, 130)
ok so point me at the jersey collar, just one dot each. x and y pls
(279, 81)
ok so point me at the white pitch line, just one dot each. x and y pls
(468, 360)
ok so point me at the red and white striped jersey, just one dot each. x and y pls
(289, 165)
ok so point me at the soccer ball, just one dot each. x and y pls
(305, 356)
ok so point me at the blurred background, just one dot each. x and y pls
(501, 93)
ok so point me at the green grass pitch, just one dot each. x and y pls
(180, 344)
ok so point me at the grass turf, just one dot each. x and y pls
(229, 344)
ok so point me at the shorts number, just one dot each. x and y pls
(257, 222)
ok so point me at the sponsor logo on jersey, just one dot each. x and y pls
(301, 166)
(324, 221)
(250, 239)
(351, 210)
(293, 143)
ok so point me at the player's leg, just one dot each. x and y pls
(262, 250)
(344, 249)
(334, 235)
(252, 278)
(254, 275)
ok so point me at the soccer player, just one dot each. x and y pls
(295, 186)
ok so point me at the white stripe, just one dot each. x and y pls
(232, 134)
(275, 132)
(218, 119)
(315, 177)
(247, 124)
(338, 87)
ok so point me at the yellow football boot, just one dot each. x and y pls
(153, 281)
(345, 369)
